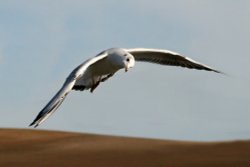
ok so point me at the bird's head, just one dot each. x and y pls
(121, 58)
(128, 61)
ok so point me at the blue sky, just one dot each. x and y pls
(42, 41)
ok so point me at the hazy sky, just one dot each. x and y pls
(42, 41)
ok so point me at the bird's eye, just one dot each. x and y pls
(127, 59)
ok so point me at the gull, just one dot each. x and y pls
(89, 74)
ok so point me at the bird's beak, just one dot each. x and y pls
(126, 68)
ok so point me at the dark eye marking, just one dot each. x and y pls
(127, 59)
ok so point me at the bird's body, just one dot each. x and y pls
(92, 72)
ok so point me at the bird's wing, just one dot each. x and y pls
(54, 103)
(166, 57)
(57, 100)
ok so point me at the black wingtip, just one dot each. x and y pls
(33, 123)
(220, 72)
(212, 69)
(33, 126)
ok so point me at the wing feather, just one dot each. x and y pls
(166, 57)
(57, 100)
(54, 103)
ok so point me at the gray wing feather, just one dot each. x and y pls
(165, 57)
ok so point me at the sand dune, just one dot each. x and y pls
(48, 148)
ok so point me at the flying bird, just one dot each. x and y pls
(89, 74)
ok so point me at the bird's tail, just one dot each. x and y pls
(51, 107)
